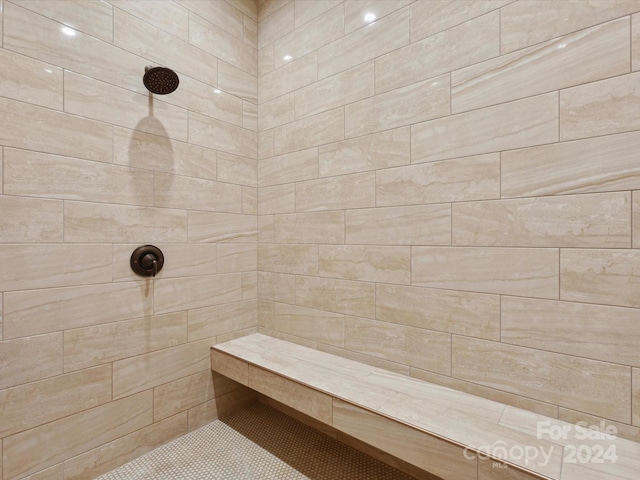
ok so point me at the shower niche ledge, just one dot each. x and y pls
(450, 434)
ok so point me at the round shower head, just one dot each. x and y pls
(160, 80)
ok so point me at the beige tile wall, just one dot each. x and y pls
(450, 191)
(98, 365)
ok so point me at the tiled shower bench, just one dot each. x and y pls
(451, 434)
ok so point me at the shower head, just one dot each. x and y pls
(160, 80)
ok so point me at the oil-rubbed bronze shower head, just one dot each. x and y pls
(160, 80)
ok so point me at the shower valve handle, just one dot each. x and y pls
(147, 260)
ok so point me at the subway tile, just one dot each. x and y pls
(265, 60)
(248, 7)
(250, 31)
(180, 395)
(250, 200)
(219, 135)
(383, 36)
(390, 148)
(430, 18)
(175, 294)
(220, 319)
(599, 276)
(221, 14)
(355, 11)
(489, 469)
(326, 127)
(33, 312)
(106, 103)
(287, 258)
(217, 42)
(276, 25)
(311, 324)
(147, 41)
(596, 220)
(100, 344)
(573, 167)
(332, 193)
(411, 346)
(531, 272)
(265, 143)
(452, 49)
(183, 260)
(93, 18)
(404, 106)
(587, 385)
(308, 10)
(598, 332)
(30, 81)
(137, 149)
(231, 367)
(600, 108)
(200, 97)
(214, 227)
(339, 296)
(250, 116)
(222, 406)
(238, 170)
(627, 432)
(237, 82)
(324, 29)
(463, 179)
(266, 229)
(41, 38)
(237, 257)
(602, 51)
(29, 359)
(421, 225)
(335, 91)
(429, 453)
(636, 396)
(95, 222)
(170, 17)
(268, 7)
(523, 123)
(366, 263)
(277, 199)
(37, 403)
(313, 227)
(307, 400)
(142, 372)
(111, 455)
(53, 266)
(36, 128)
(290, 167)
(29, 220)
(173, 191)
(37, 174)
(75, 434)
(527, 23)
(295, 74)
(277, 287)
(266, 312)
(635, 42)
(52, 473)
(463, 313)
(250, 285)
(277, 112)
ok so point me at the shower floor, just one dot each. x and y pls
(256, 443)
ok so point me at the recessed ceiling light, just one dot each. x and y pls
(369, 17)
(70, 32)
(287, 58)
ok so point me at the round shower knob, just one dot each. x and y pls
(147, 260)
